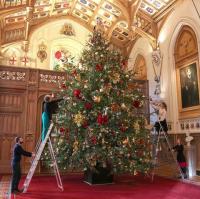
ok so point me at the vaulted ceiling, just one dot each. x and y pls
(125, 20)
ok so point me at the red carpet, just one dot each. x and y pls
(124, 188)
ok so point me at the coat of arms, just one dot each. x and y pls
(67, 30)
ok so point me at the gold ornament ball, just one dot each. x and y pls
(97, 99)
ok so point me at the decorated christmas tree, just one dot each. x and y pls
(98, 120)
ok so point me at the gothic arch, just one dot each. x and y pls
(140, 68)
(186, 45)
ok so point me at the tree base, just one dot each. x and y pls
(102, 176)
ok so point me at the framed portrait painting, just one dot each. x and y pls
(188, 87)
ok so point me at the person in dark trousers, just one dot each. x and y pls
(50, 106)
(18, 151)
(179, 148)
(161, 108)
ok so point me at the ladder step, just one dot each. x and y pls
(37, 158)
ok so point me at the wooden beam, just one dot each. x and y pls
(7, 11)
(72, 7)
(31, 3)
(122, 8)
(133, 11)
(29, 16)
(52, 7)
(96, 11)
(142, 33)
(110, 30)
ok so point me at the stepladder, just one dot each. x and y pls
(159, 140)
(38, 152)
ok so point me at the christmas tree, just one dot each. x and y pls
(98, 119)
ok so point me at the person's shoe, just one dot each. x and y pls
(185, 176)
(20, 190)
(15, 192)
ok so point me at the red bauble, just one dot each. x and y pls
(122, 128)
(62, 130)
(113, 133)
(63, 86)
(85, 124)
(102, 119)
(93, 139)
(105, 119)
(58, 54)
(136, 104)
(99, 67)
(74, 73)
(77, 93)
(124, 64)
(88, 106)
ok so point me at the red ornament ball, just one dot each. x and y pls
(88, 105)
(85, 124)
(63, 86)
(99, 67)
(102, 119)
(77, 93)
(74, 73)
(58, 54)
(93, 139)
(62, 130)
(136, 103)
(122, 128)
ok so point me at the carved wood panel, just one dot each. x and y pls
(11, 117)
(20, 96)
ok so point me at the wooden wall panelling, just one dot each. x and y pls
(31, 113)
(11, 115)
(21, 95)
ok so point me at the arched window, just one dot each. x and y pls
(140, 69)
(187, 71)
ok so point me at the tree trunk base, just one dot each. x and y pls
(102, 176)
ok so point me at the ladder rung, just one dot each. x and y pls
(37, 158)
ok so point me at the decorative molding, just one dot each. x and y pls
(185, 126)
(55, 79)
(8, 75)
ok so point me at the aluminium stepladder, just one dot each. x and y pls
(39, 149)
(155, 156)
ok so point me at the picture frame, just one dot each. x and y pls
(188, 87)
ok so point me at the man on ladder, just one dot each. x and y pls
(161, 127)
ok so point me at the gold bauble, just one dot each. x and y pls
(136, 125)
(97, 99)
(79, 119)
(115, 77)
(107, 88)
(78, 77)
(114, 107)
(126, 141)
